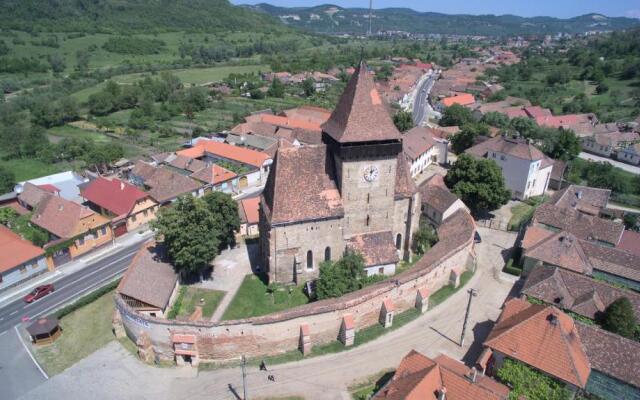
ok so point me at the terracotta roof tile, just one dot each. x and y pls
(630, 242)
(377, 248)
(542, 337)
(213, 174)
(514, 147)
(14, 250)
(581, 198)
(301, 186)
(562, 249)
(405, 185)
(416, 142)
(117, 196)
(149, 278)
(164, 184)
(31, 194)
(224, 150)
(250, 208)
(361, 115)
(575, 292)
(437, 196)
(65, 218)
(463, 99)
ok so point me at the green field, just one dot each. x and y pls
(83, 332)
(190, 297)
(27, 168)
(253, 299)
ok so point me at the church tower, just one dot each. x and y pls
(364, 145)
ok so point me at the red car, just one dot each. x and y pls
(39, 292)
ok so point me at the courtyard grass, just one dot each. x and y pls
(368, 387)
(84, 331)
(189, 297)
(520, 214)
(253, 299)
(447, 291)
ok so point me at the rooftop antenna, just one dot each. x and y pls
(370, 17)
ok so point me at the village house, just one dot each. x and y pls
(423, 378)
(74, 229)
(64, 184)
(438, 203)
(249, 210)
(19, 259)
(630, 154)
(163, 185)
(353, 191)
(463, 99)
(127, 206)
(212, 152)
(587, 200)
(575, 292)
(217, 179)
(581, 356)
(150, 283)
(526, 169)
(423, 149)
(608, 144)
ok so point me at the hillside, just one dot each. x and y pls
(118, 16)
(334, 19)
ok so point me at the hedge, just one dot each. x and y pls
(87, 299)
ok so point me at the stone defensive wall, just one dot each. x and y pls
(316, 323)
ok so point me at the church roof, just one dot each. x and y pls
(361, 115)
(301, 186)
(405, 186)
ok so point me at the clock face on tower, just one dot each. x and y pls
(371, 173)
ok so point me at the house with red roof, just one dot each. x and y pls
(581, 356)
(213, 152)
(19, 259)
(249, 216)
(123, 203)
(463, 99)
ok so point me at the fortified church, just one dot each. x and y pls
(353, 191)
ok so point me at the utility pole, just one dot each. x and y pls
(472, 293)
(244, 377)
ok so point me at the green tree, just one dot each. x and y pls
(620, 318)
(466, 137)
(276, 89)
(188, 230)
(341, 277)
(478, 183)
(256, 94)
(425, 237)
(57, 63)
(456, 115)
(403, 121)
(82, 61)
(564, 145)
(7, 180)
(225, 212)
(493, 118)
(309, 87)
(530, 384)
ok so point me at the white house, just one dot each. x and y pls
(423, 149)
(526, 169)
(438, 203)
(630, 154)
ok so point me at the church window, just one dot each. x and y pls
(309, 259)
(327, 254)
(368, 219)
(368, 197)
(398, 241)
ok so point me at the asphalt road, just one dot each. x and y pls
(627, 167)
(419, 107)
(18, 372)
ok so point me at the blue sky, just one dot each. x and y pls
(527, 8)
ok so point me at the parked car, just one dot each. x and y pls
(477, 238)
(39, 292)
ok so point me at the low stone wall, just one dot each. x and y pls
(322, 321)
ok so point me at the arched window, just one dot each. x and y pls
(309, 259)
(398, 241)
(327, 254)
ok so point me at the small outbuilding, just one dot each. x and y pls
(45, 330)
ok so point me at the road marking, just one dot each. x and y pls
(3, 333)
(13, 313)
(97, 270)
(29, 352)
(68, 299)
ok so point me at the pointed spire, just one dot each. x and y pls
(361, 115)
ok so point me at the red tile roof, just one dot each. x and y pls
(416, 142)
(224, 150)
(65, 218)
(361, 115)
(630, 242)
(251, 209)
(421, 378)
(49, 188)
(542, 337)
(114, 195)
(213, 174)
(464, 99)
(14, 250)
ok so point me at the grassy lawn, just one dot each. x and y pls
(368, 387)
(199, 76)
(521, 213)
(83, 332)
(29, 168)
(253, 299)
(70, 132)
(447, 291)
(189, 298)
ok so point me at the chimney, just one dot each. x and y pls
(553, 319)
(473, 374)
(442, 395)
(121, 185)
(60, 207)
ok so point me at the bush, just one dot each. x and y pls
(528, 383)
(133, 45)
(511, 269)
(90, 298)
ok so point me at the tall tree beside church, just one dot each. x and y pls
(403, 120)
(478, 183)
(225, 212)
(190, 234)
(340, 277)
